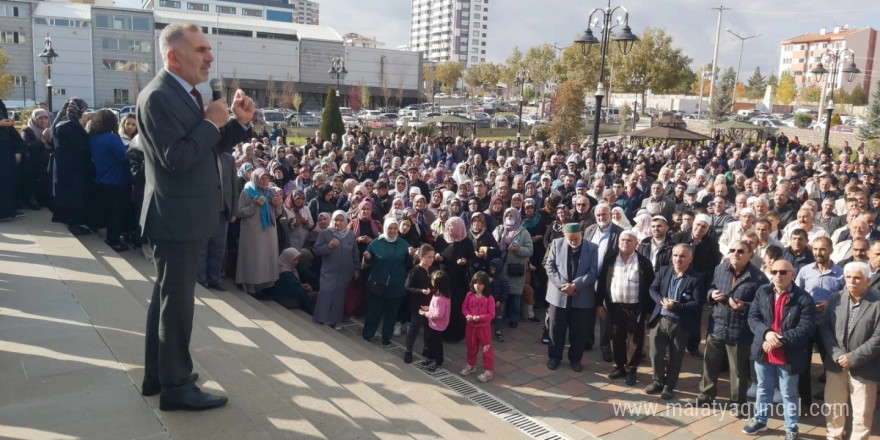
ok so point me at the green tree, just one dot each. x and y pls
(665, 67)
(757, 83)
(803, 120)
(271, 92)
(720, 105)
(695, 85)
(773, 81)
(512, 65)
(569, 107)
(6, 81)
(624, 127)
(835, 119)
(870, 132)
(331, 120)
(365, 96)
(811, 93)
(449, 73)
(786, 90)
(841, 97)
(538, 61)
(858, 96)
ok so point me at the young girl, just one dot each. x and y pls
(437, 314)
(479, 311)
(418, 285)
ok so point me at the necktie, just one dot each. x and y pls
(198, 97)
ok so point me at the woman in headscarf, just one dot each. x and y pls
(289, 290)
(299, 219)
(74, 170)
(454, 251)
(337, 247)
(495, 213)
(244, 173)
(516, 246)
(554, 229)
(485, 246)
(389, 260)
(37, 189)
(323, 202)
(258, 207)
(536, 223)
(460, 175)
(424, 215)
(618, 217)
(12, 152)
(364, 227)
(113, 178)
(439, 225)
(642, 224)
(323, 222)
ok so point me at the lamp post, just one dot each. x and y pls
(337, 70)
(742, 41)
(625, 40)
(703, 76)
(638, 83)
(522, 78)
(834, 58)
(48, 56)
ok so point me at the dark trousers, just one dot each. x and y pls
(669, 335)
(384, 310)
(577, 324)
(434, 342)
(737, 356)
(604, 333)
(416, 322)
(805, 384)
(171, 314)
(693, 339)
(211, 254)
(116, 203)
(627, 335)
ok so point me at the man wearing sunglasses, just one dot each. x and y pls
(782, 320)
(730, 295)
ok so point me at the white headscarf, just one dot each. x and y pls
(388, 222)
(345, 231)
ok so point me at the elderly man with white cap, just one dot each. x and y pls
(704, 243)
(735, 231)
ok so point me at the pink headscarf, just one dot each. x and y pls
(455, 230)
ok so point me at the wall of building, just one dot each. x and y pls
(20, 61)
(256, 59)
(123, 59)
(73, 69)
(314, 61)
(864, 44)
(398, 68)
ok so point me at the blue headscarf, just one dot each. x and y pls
(254, 191)
(243, 169)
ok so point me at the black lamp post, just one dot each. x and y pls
(48, 56)
(522, 78)
(834, 58)
(625, 40)
(638, 83)
(337, 70)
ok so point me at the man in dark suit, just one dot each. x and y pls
(676, 291)
(211, 255)
(604, 234)
(182, 140)
(623, 289)
(704, 243)
(852, 344)
(571, 267)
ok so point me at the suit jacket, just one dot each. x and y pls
(706, 253)
(862, 345)
(646, 277)
(557, 265)
(667, 206)
(612, 239)
(183, 187)
(692, 289)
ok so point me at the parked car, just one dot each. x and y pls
(508, 121)
(126, 110)
(272, 117)
(349, 121)
(308, 121)
(483, 120)
(843, 128)
(410, 121)
(380, 122)
(530, 120)
(392, 116)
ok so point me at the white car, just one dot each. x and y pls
(410, 121)
(530, 120)
(349, 121)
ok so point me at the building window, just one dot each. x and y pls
(169, 4)
(251, 12)
(232, 32)
(120, 96)
(8, 11)
(126, 44)
(282, 16)
(225, 10)
(126, 65)
(485, 27)
(197, 7)
(475, 59)
(57, 91)
(124, 22)
(10, 37)
(476, 16)
(275, 36)
(19, 80)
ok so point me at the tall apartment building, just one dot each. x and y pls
(285, 11)
(801, 54)
(450, 30)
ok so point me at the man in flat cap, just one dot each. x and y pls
(572, 266)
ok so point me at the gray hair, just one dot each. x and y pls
(602, 205)
(859, 266)
(173, 34)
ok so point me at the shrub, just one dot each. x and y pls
(331, 119)
(803, 120)
(835, 120)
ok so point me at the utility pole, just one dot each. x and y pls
(720, 10)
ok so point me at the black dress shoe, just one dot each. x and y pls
(616, 373)
(576, 366)
(704, 400)
(654, 388)
(606, 354)
(193, 399)
(152, 388)
(553, 364)
(696, 354)
(217, 286)
(630, 378)
(407, 357)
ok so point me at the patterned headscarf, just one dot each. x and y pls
(32, 123)
(455, 230)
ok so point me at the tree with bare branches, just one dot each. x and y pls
(400, 92)
(287, 91)
(271, 92)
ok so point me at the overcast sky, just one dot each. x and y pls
(692, 23)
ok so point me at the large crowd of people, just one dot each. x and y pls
(774, 243)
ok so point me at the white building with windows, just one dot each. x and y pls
(287, 11)
(450, 30)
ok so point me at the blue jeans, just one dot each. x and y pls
(512, 308)
(768, 376)
(211, 255)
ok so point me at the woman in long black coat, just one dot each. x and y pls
(39, 155)
(12, 149)
(454, 251)
(74, 171)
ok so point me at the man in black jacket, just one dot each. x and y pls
(658, 247)
(623, 289)
(604, 234)
(782, 321)
(704, 242)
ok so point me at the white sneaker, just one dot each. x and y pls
(397, 329)
(752, 391)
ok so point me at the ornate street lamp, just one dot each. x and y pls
(48, 56)
(625, 40)
(522, 78)
(834, 58)
(337, 70)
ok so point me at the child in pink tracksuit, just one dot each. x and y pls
(438, 319)
(479, 311)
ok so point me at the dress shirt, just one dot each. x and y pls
(625, 280)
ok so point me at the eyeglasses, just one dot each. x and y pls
(737, 251)
(580, 204)
(778, 272)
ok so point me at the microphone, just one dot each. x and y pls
(216, 86)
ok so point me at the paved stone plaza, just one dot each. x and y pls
(71, 346)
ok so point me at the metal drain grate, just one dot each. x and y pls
(494, 405)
